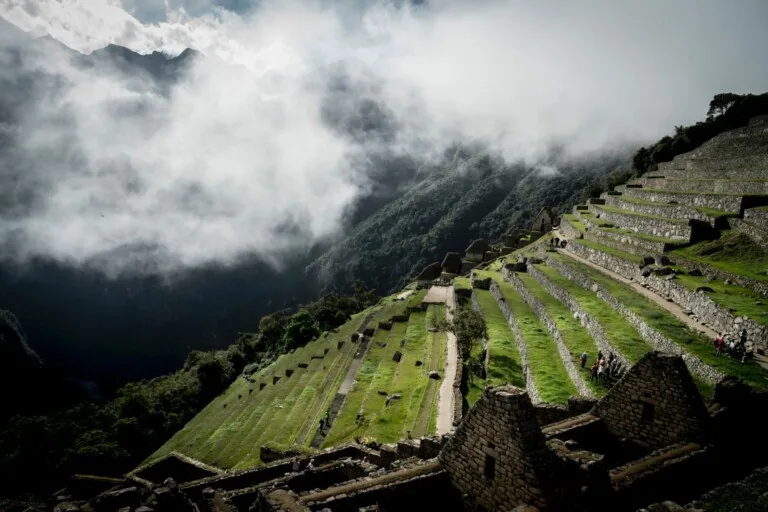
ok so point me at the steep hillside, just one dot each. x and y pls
(473, 196)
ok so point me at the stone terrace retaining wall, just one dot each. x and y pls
(568, 229)
(698, 302)
(595, 329)
(530, 386)
(624, 242)
(541, 311)
(716, 273)
(711, 186)
(665, 210)
(650, 225)
(759, 236)
(758, 217)
(653, 337)
(707, 164)
(719, 202)
(749, 173)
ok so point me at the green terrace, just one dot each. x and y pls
(462, 283)
(575, 336)
(631, 258)
(734, 252)
(643, 236)
(230, 430)
(670, 326)
(620, 211)
(381, 376)
(547, 369)
(621, 335)
(711, 212)
(738, 300)
(575, 222)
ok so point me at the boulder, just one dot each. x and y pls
(704, 289)
(662, 271)
(419, 363)
(452, 263)
(382, 392)
(430, 272)
(397, 356)
(433, 375)
(695, 272)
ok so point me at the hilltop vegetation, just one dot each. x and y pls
(38, 451)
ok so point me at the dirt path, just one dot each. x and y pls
(446, 397)
(645, 292)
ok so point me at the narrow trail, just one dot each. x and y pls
(673, 308)
(446, 396)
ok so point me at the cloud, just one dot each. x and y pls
(264, 146)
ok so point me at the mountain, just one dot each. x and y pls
(114, 330)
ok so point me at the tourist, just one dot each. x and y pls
(743, 339)
(601, 372)
(583, 359)
(311, 465)
(594, 371)
(599, 355)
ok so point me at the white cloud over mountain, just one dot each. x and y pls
(234, 162)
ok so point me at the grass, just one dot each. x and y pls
(671, 327)
(575, 222)
(632, 258)
(504, 365)
(739, 301)
(462, 283)
(547, 369)
(734, 252)
(622, 335)
(575, 337)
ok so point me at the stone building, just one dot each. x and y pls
(649, 439)
(476, 250)
(543, 221)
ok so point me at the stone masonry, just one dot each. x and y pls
(656, 404)
(498, 456)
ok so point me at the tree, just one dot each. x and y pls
(301, 328)
(721, 103)
(469, 327)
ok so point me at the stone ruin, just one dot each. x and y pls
(650, 439)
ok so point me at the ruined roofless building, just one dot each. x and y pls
(543, 221)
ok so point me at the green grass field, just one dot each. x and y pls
(668, 325)
(734, 252)
(575, 337)
(622, 335)
(504, 366)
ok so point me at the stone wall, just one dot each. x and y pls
(705, 186)
(541, 311)
(748, 173)
(721, 275)
(718, 202)
(658, 227)
(530, 386)
(655, 404)
(698, 302)
(653, 337)
(759, 236)
(595, 329)
(568, 229)
(626, 243)
(546, 414)
(674, 211)
(500, 428)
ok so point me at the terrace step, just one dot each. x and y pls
(664, 209)
(632, 242)
(757, 232)
(707, 186)
(705, 170)
(654, 225)
(731, 203)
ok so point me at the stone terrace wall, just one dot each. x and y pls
(698, 302)
(759, 236)
(568, 229)
(530, 386)
(719, 202)
(663, 210)
(749, 173)
(501, 425)
(661, 384)
(653, 337)
(593, 327)
(541, 312)
(700, 185)
(650, 225)
(716, 273)
(625, 242)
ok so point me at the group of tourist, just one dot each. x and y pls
(601, 369)
(556, 242)
(724, 344)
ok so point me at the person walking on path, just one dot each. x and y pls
(594, 371)
(584, 359)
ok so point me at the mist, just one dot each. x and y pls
(265, 145)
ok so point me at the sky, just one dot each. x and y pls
(239, 159)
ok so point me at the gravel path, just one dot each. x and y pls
(446, 397)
